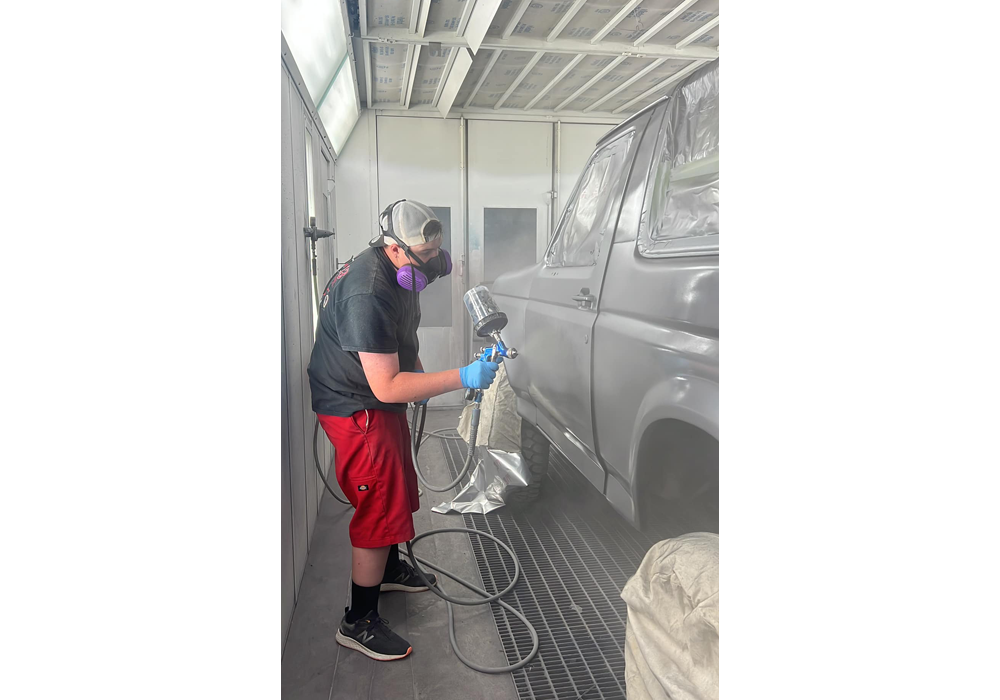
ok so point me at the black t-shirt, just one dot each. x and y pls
(363, 309)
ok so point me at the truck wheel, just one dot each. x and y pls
(535, 455)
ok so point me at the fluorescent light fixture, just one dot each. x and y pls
(339, 111)
(315, 32)
(316, 35)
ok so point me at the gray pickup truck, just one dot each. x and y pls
(618, 327)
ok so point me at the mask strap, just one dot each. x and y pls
(387, 231)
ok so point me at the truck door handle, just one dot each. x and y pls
(585, 300)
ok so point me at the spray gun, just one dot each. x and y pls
(487, 321)
(314, 234)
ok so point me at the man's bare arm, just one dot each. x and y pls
(392, 386)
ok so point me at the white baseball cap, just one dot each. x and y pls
(414, 223)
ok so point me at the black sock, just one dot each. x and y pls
(364, 599)
(391, 562)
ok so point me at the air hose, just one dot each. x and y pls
(416, 434)
(486, 597)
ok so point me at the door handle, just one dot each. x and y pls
(585, 300)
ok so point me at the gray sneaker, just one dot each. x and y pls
(372, 637)
(405, 578)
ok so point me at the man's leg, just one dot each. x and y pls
(400, 575)
(391, 561)
(367, 570)
(369, 467)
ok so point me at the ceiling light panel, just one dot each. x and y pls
(445, 15)
(541, 74)
(393, 14)
(388, 61)
(622, 72)
(479, 64)
(507, 68)
(430, 73)
(687, 22)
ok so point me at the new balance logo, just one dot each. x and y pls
(365, 637)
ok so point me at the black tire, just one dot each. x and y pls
(535, 454)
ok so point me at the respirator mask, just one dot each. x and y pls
(416, 274)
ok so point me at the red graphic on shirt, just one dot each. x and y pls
(343, 271)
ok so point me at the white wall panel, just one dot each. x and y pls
(293, 358)
(287, 537)
(355, 184)
(510, 166)
(300, 266)
(299, 490)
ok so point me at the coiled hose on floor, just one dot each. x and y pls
(416, 435)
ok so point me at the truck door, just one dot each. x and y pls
(565, 298)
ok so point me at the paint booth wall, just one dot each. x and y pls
(358, 176)
(307, 189)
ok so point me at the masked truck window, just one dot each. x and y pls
(682, 199)
(588, 215)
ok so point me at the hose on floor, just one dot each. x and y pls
(486, 597)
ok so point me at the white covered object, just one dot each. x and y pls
(499, 422)
(672, 636)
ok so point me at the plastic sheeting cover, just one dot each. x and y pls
(684, 192)
(499, 467)
(580, 234)
(499, 422)
(672, 635)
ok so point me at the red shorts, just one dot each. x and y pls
(375, 471)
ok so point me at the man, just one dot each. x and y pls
(364, 369)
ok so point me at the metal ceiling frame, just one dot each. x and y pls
(522, 43)
(415, 36)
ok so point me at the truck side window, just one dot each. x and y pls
(682, 197)
(585, 221)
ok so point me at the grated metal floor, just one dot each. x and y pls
(576, 554)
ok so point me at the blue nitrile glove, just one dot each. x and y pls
(424, 402)
(479, 375)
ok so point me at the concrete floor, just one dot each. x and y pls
(315, 667)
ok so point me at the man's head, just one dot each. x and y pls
(414, 245)
(415, 225)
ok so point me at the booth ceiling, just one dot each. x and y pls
(548, 57)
